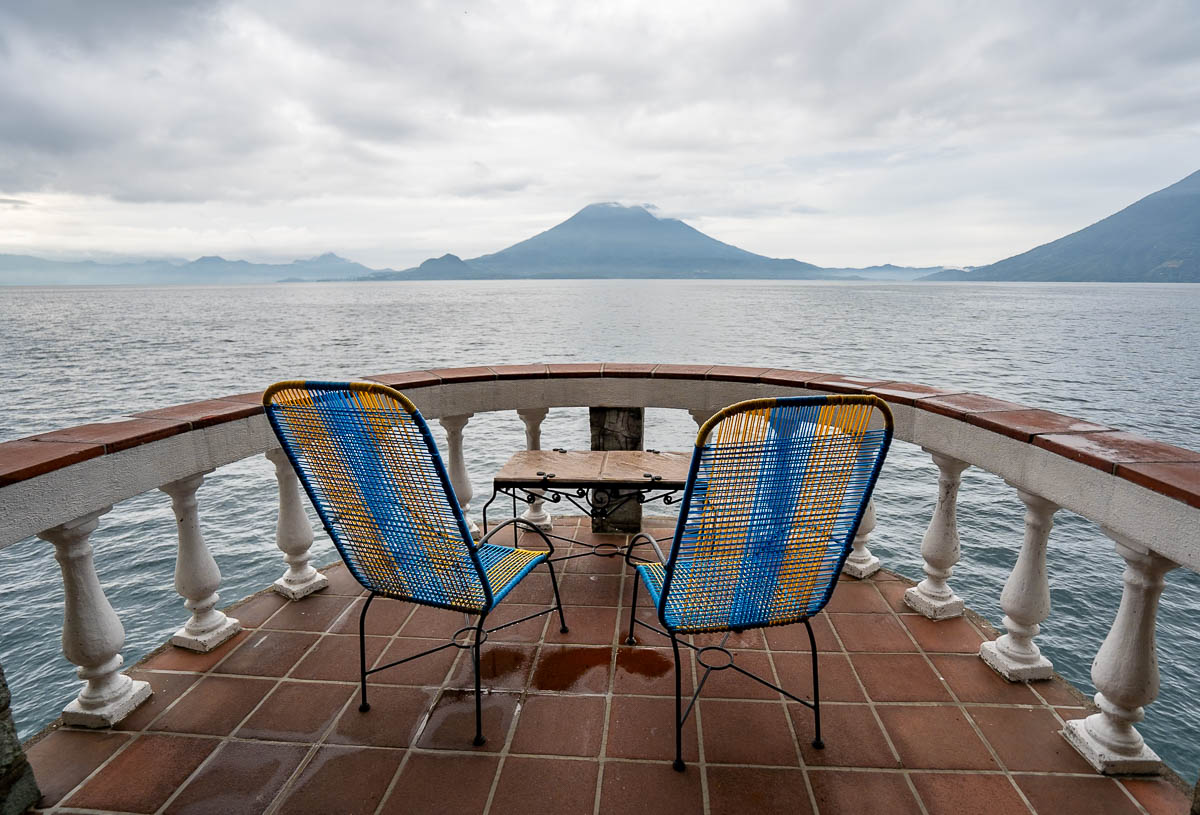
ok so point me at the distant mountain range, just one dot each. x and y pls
(25, 270)
(613, 241)
(1156, 240)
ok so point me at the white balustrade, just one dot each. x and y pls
(933, 596)
(536, 514)
(1025, 600)
(861, 563)
(293, 533)
(1125, 670)
(92, 634)
(459, 479)
(197, 577)
(702, 415)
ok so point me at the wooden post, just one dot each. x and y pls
(617, 428)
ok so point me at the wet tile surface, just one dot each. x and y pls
(911, 719)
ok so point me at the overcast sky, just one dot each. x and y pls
(836, 133)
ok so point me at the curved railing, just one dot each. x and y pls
(1143, 494)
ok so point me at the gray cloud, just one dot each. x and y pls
(979, 130)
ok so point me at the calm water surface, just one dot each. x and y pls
(1122, 355)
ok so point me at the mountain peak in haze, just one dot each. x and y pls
(1156, 239)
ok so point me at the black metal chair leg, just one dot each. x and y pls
(363, 707)
(812, 643)
(557, 600)
(633, 609)
(678, 765)
(479, 739)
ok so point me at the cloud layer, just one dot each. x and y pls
(842, 134)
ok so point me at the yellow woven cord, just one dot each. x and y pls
(443, 544)
(503, 571)
(829, 468)
(776, 491)
(340, 487)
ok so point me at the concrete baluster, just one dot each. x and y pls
(92, 635)
(861, 563)
(933, 596)
(536, 514)
(293, 533)
(1125, 670)
(459, 479)
(1025, 600)
(701, 415)
(197, 577)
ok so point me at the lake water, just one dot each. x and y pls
(1124, 355)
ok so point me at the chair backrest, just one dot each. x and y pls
(775, 493)
(370, 466)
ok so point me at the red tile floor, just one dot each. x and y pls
(580, 723)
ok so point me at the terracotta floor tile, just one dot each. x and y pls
(838, 683)
(851, 735)
(428, 670)
(729, 684)
(65, 757)
(442, 785)
(650, 788)
(848, 791)
(737, 732)
(166, 687)
(296, 711)
(1075, 795)
(589, 625)
(1158, 796)
(968, 794)
(451, 724)
(1058, 693)
(391, 722)
(871, 632)
(502, 666)
(335, 658)
(543, 786)
(589, 590)
(144, 775)
(650, 671)
(434, 623)
(534, 589)
(572, 669)
(592, 563)
(341, 581)
(749, 640)
(173, 658)
(345, 780)
(934, 738)
(892, 592)
(899, 678)
(268, 653)
(644, 727)
(1028, 739)
(384, 618)
(315, 612)
(743, 790)
(857, 596)
(795, 638)
(529, 631)
(973, 681)
(955, 635)
(214, 706)
(560, 725)
(241, 779)
(258, 609)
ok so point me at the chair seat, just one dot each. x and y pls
(505, 566)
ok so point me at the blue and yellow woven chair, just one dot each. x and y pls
(773, 499)
(370, 466)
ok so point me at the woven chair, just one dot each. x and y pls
(370, 466)
(773, 499)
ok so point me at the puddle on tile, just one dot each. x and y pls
(643, 662)
(564, 669)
